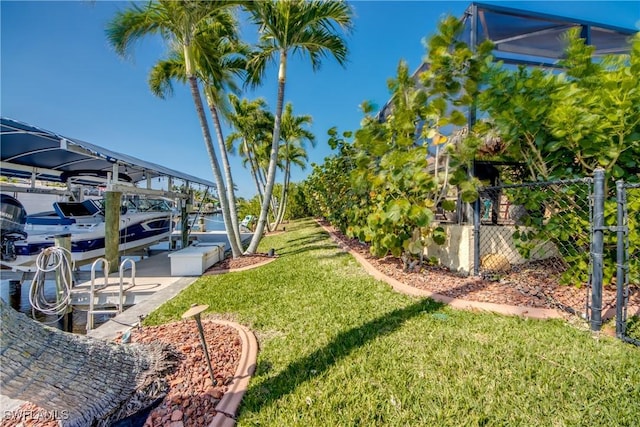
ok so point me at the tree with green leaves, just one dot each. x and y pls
(396, 181)
(327, 190)
(219, 62)
(392, 174)
(310, 28)
(199, 31)
(565, 125)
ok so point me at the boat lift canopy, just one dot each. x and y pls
(29, 152)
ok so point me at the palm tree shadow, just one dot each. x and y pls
(334, 255)
(341, 346)
(306, 243)
(306, 248)
(318, 235)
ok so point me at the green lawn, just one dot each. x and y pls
(338, 348)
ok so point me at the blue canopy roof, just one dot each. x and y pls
(26, 149)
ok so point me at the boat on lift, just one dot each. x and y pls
(143, 222)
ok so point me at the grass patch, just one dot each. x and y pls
(340, 348)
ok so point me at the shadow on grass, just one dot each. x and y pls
(306, 244)
(318, 235)
(286, 250)
(341, 346)
(335, 255)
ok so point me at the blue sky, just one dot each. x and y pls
(59, 73)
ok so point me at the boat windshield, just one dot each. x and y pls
(143, 204)
(87, 208)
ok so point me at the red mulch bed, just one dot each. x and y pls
(535, 284)
(192, 397)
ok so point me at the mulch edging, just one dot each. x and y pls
(227, 408)
(213, 271)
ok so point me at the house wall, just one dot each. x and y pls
(457, 252)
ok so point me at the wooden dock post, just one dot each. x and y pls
(112, 229)
(65, 322)
(184, 219)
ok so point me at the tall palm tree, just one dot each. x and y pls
(310, 28)
(293, 135)
(179, 22)
(220, 60)
(254, 126)
(296, 155)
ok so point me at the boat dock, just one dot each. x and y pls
(154, 285)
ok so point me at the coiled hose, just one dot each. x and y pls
(52, 259)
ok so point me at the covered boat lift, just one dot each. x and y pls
(36, 154)
(33, 153)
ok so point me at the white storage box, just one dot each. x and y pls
(195, 260)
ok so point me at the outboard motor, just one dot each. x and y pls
(13, 217)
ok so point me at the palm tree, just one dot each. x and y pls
(254, 125)
(179, 23)
(306, 27)
(293, 135)
(218, 63)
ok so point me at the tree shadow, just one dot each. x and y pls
(306, 243)
(313, 236)
(285, 250)
(335, 255)
(314, 364)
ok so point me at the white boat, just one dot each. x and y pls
(143, 222)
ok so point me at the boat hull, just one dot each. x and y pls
(138, 230)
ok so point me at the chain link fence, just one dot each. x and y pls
(572, 232)
(628, 262)
(540, 233)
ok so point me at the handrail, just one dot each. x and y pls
(105, 269)
(133, 279)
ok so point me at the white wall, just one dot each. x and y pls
(457, 252)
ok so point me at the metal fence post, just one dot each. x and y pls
(597, 249)
(620, 259)
(476, 237)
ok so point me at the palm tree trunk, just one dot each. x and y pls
(85, 381)
(272, 203)
(254, 170)
(222, 193)
(258, 176)
(284, 194)
(273, 160)
(231, 197)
